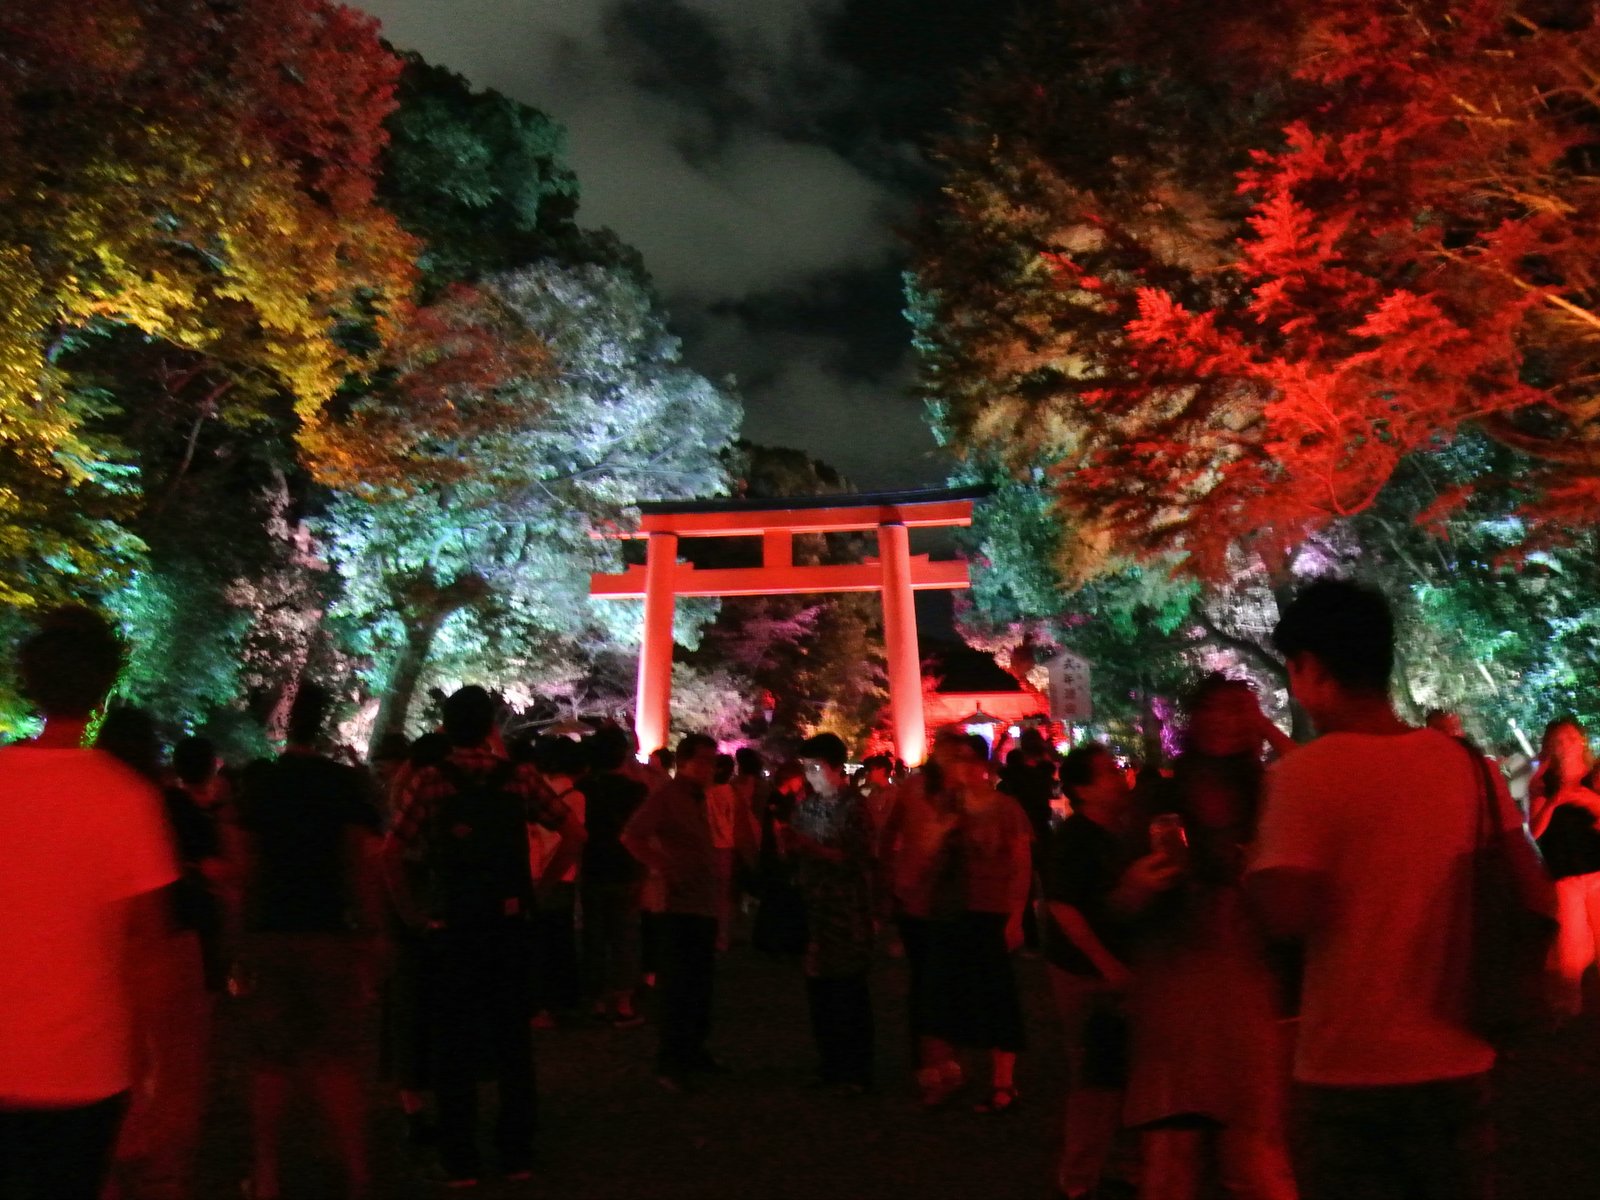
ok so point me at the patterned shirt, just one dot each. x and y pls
(838, 894)
(415, 801)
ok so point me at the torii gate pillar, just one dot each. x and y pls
(900, 643)
(652, 713)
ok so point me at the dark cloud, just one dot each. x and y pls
(759, 154)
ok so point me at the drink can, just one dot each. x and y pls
(1167, 837)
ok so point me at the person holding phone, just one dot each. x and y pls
(1207, 1062)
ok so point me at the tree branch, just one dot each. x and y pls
(1243, 647)
(1569, 453)
(208, 408)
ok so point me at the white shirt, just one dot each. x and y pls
(1390, 822)
(79, 833)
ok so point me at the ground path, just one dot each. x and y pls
(609, 1133)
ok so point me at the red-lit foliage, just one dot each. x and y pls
(1227, 296)
(306, 81)
(1419, 256)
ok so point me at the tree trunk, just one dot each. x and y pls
(396, 703)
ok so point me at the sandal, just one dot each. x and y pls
(1002, 1100)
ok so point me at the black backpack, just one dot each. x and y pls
(476, 866)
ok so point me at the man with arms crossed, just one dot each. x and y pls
(1363, 855)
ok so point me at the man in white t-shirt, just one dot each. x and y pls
(1364, 855)
(87, 855)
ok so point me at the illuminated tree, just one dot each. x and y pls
(1271, 286)
(1096, 157)
(1225, 275)
(483, 575)
(479, 177)
(192, 177)
(1419, 260)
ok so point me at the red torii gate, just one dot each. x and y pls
(896, 574)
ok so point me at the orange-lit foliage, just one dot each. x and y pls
(201, 173)
(454, 374)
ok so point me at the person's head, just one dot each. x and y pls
(877, 769)
(747, 759)
(1222, 715)
(608, 749)
(697, 758)
(1337, 639)
(468, 714)
(1093, 780)
(129, 733)
(560, 757)
(69, 663)
(954, 762)
(1033, 745)
(1564, 753)
(306, 715)
(194, 761)
(822, 758)
(723, 771)
(663, 760)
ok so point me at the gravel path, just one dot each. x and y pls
(610, 1133)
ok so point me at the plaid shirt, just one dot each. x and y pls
(418, 795)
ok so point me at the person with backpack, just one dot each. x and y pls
(1374, 845)
(456, 861)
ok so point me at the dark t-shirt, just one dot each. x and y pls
(1571, 842)
(609, 800)
(1032, 785)
(195, 836)
(1085, 862)
(298, 811)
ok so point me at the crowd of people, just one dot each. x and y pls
(1258, 932)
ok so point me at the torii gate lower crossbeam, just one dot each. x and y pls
(896, 576)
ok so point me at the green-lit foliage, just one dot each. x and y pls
(1494, 626)
(484, 577)
(482, 178)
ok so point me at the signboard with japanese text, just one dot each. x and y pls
(1069, 688)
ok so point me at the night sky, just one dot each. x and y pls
(760, 154)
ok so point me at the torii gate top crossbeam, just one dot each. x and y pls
(806, 514)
